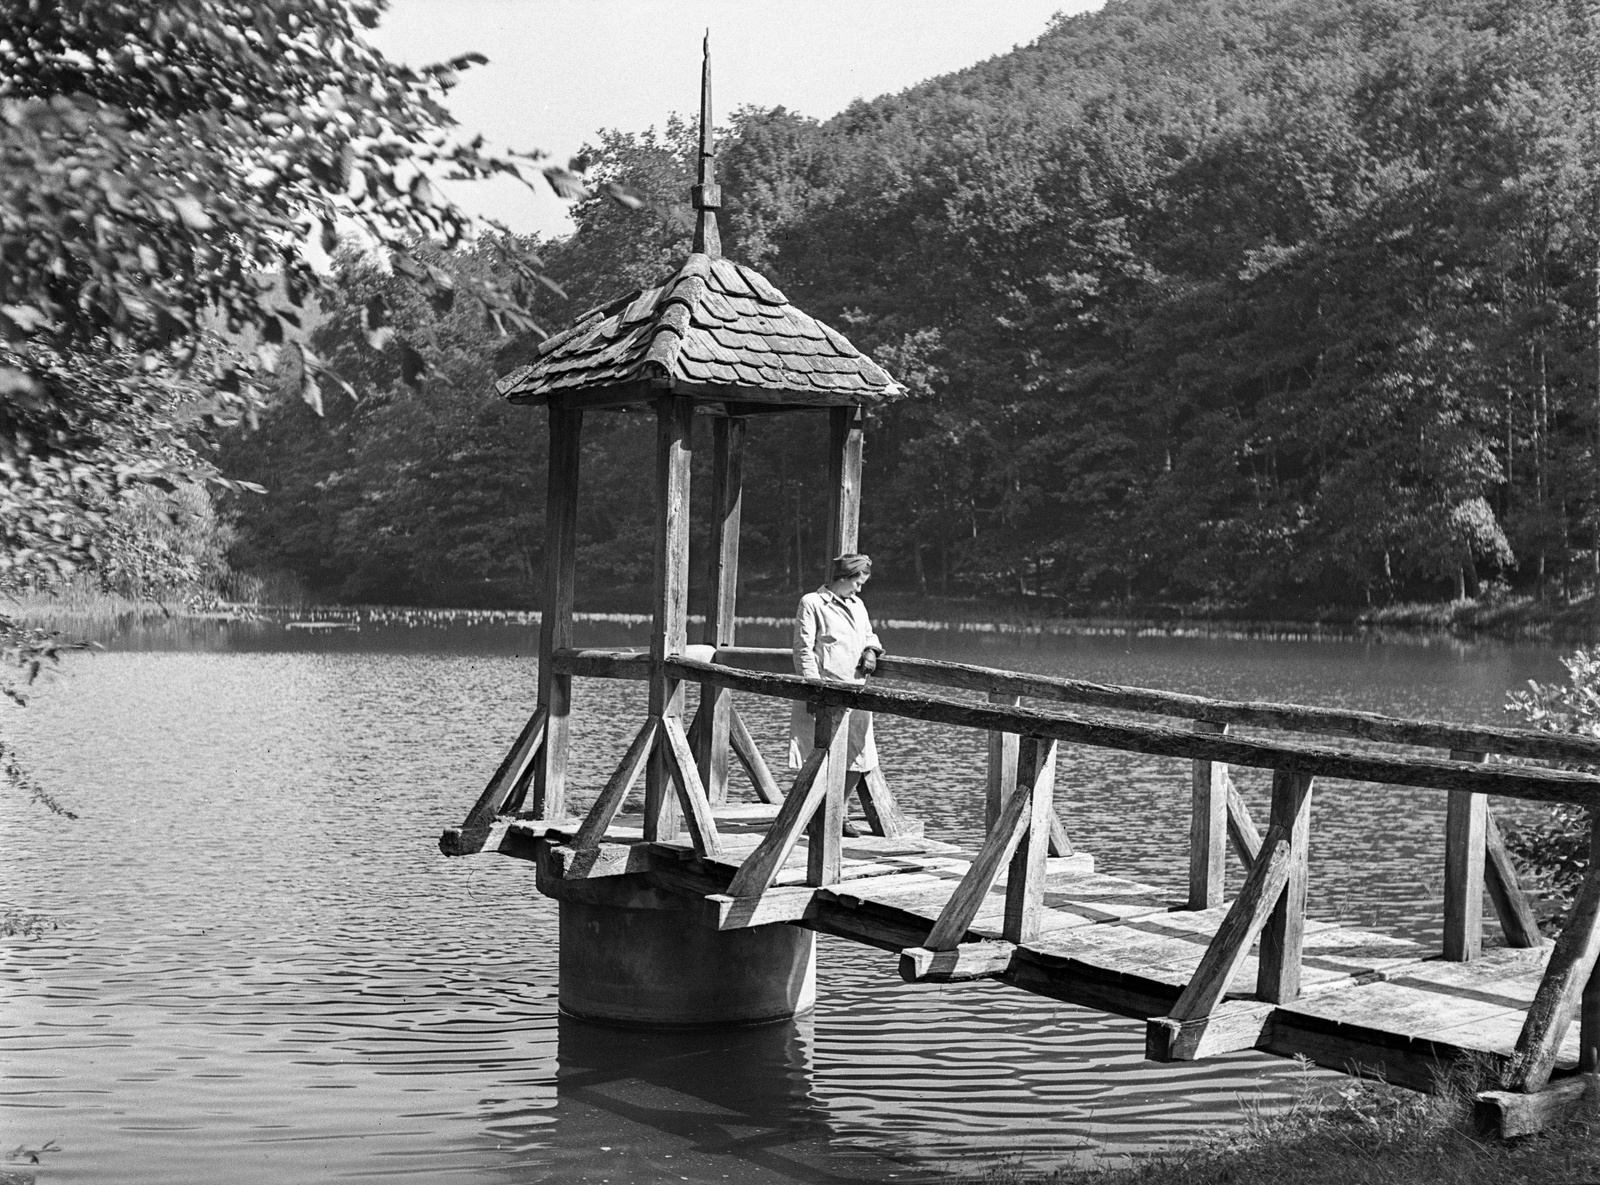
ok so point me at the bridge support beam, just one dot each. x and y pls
(1466, 820)
(647, 959)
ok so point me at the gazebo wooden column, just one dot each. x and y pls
(846, 436)
(555, 625)
(669, 604)
(845, 433)
(715, 716)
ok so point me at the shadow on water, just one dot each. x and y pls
(733, 1104)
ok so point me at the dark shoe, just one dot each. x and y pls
(850, 830)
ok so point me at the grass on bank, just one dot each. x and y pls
(1355, 1133)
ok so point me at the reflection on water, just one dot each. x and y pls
(736, 1105)
(264, 972)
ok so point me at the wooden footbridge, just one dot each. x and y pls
(1519, 1023)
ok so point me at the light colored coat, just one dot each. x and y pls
(830, 632)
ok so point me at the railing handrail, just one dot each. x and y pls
(1537, 784)
(1370, 726)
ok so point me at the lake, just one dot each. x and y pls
(255, 965)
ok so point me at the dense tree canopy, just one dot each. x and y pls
(167, 174)
(1249, 302)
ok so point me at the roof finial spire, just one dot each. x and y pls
(706, 194)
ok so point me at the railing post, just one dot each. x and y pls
(1003, 749)
(1208, 827)
(1589, 1005)
(1278, 977)
(1025, 878)
(1466, 819)
(823, 850)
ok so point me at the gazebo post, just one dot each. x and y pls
(669, 605)
(722, 591)
(555, 624)
(845, 440)
(844, 480)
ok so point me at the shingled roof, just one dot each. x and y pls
(715, 330)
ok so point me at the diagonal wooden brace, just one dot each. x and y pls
(1008, 831)
(1251, 911)
(1242, 832)
(1511, 903)
(615, 792)
(756, 873)
(878, 804)
(691, 792)
(473, 833)
(1561, 991)
(744, 748)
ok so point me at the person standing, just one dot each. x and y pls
(834, 643)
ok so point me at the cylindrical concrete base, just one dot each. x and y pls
(666, 968)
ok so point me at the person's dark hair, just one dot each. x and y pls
(851, 564)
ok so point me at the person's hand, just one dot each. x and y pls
(869, 662)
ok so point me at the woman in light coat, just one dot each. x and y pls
(834, 643)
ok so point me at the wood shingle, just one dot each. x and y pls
(715, 330)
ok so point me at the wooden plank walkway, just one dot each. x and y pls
(1369, 1003)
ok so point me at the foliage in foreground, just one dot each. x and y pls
(1555, 853)
(1357, 1133)
(167, 174)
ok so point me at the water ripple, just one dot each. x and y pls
(262, 971)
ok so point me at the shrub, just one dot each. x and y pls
(1554, 853)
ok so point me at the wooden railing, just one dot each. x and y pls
(1476, 857)
(1020, 814)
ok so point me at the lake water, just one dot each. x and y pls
(256, 967)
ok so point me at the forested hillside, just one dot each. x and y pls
(1248, 302)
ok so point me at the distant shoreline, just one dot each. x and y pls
(1525, 620)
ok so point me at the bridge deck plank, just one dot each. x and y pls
(1119, 945)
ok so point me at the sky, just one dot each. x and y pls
(560, 70)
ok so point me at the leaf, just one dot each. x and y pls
(192, 213)
(412, 364)
(330, 236)
(25, 317)
(375, 322)
(310, 392)
(566, 183)
(624, 195)
(469, 59)
(442, 289)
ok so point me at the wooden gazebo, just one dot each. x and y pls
(659, 932)
(718, 339)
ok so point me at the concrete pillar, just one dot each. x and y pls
(661, 966)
